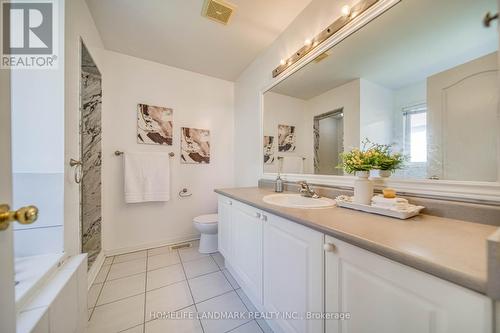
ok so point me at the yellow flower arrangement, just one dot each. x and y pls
(371, 156)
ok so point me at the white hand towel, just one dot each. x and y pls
(147, 177)
(380, 201)
(293, 164)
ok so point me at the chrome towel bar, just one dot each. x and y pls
(119, 153)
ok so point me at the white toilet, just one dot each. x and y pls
(207, 226)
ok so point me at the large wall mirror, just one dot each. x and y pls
(423, 77)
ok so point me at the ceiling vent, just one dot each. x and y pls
(217, 10)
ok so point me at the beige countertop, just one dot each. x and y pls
(453, 250)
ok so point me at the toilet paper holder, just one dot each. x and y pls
(184, 193)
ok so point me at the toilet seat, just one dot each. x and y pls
(206, 219)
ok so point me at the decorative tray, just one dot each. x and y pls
(400, 213)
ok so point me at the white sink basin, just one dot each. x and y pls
(297, 201)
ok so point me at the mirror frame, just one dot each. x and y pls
(464, 191)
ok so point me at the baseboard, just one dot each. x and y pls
(94, 270)
(114, 252)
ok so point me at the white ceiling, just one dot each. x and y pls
(413, 40)
(174, 33)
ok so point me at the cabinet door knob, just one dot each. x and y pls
(263, 217)
(257, 215)
(328, 247)
(229, 202)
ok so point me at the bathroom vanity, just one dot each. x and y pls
(377, 274)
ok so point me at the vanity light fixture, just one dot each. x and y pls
(346, 10)
(311, 44)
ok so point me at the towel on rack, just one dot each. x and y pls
(147, 177)
(292, 164)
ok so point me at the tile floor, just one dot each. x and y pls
(130, 287)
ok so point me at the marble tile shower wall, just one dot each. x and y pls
(91, 217)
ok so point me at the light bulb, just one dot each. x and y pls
(307, 42)
(346, 10)
(282, 62)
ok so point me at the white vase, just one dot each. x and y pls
(377, 173)
(363, 188)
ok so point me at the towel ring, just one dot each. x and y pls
(184, 193)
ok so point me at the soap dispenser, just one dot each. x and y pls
(278, 185)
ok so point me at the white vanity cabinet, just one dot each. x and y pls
(384, 296)
(293, 274)
(292, 270)
(224, 226)
(246, 248)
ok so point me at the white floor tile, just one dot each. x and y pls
(200, 266)
(191, 253)
(219, 259)
(108, 260)
(103, 272)
(251, 327)
(229, 302)
(262, 323)
(117, 316)
(163, 260)
(185, 322)
(136, 329)
(127, 268)
(165, 276)
(231, 279)
(114, 290)
(130, 256)
(208, 286)
(160, 250)
(92, 295)
(170, 298)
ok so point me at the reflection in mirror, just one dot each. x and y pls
(427, 86)
(328, 142)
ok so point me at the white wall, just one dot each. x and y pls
(37, 98)
(315, 17)
(286, 110)
(376, 112)
(79, 26)
(198, 101)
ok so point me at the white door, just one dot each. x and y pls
(246, 247)
(7, 298)
(224, 232)
(293, 275)
(463, 108)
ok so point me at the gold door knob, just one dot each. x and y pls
(24, 215)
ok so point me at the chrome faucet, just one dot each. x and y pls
(306, 191)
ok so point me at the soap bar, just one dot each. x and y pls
(389, 193)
